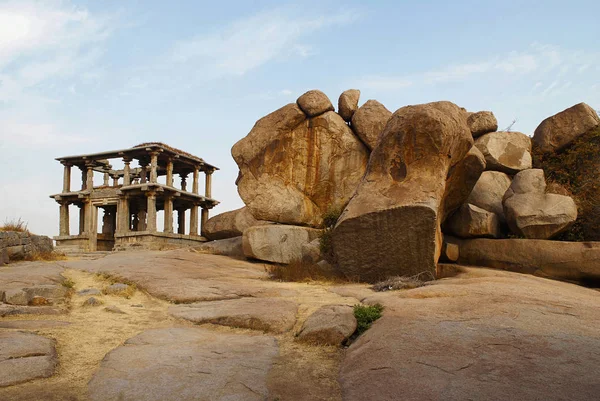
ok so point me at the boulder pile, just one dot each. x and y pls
(394, 184)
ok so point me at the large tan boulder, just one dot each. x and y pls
(369, 120)
(470, 221)
(462, 179)
(508, 152)
(527, 182)
(293, 170)
(562, 260)
(277, 243)
(265, 314)
(348, 103)
(559, 130)
(329, 325)
(185, 364)
(392, 224)
(489, 191)
(230, 224)
(538, 215)
(25, 356)
(482, 122)
(314, 103)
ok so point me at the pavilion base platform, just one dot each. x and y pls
(155, 240)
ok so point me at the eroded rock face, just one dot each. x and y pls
(24, 357)
(508, 152)
(314, 103)
(277, 243)
(392, 224)
(229, 224)
(539, 215)
(329, 325)
(369, 120)
(527, 181)
(559, 130)
(264, 314)
(348, 103)
(482, 122)
(489, 191)
(186, 364)
(471, 221)
(293, 170)
(462, 179)
(232, 247)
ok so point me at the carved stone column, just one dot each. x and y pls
(204, 218)
(82, 219)
(184, 182)
(151, 216)
(153, 167)
(67, 178)
(64, 219)
(143, 173)
(89, 181)
(181, 221)
(208, 184)
(123, 215)
(168, 228)
(170, 172)
(194, 220)
(106, 178)
(195, 180)
(126, 172)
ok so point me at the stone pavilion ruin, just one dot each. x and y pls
(130, 199)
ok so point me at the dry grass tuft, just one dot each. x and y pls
(38, 256)
(17, 225)
(403, 282)
(301, 272)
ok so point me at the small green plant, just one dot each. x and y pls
(365, 316)
(68, 283)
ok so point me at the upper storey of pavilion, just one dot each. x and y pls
(155, 159)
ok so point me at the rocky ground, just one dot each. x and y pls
(185, 325)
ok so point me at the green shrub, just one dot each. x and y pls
(577, 170)
(365, 316)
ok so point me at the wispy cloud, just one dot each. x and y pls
(254, 41)
(539, 60)
(45, 48)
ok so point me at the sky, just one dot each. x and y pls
(88, 76)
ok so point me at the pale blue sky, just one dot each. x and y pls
(87, 76)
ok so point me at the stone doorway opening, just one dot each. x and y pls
(106, 220)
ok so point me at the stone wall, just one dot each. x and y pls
(22, 245)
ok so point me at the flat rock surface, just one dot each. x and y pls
(24, 357)
(483, 335)
(32, 324)
(266, 314)
(186, 364)
(184, 276)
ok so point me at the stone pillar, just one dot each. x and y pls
(151, 225)
(153, 167)
(181, 221)
(141, 219)
(144, 173)
(208, 184)
(115, 178)
(89, 181)
(184, 182)
(195, 181)
(67, 178)
(194, 220)
(170, 173)
(203, 219)
(126, 172)
(83, 178)
(81, 219)
(64, 219)
(88, 217)
(106, 178)
(168, 228)
(123, 215)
